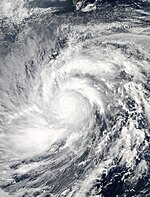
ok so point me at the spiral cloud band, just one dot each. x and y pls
(75, 103)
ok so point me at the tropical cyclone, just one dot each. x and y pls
(74, 100)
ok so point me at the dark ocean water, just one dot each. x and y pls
(74, 98)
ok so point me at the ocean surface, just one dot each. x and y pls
(74, 98)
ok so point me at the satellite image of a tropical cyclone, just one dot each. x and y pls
(74, 98)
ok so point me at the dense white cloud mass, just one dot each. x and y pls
(74, 100)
